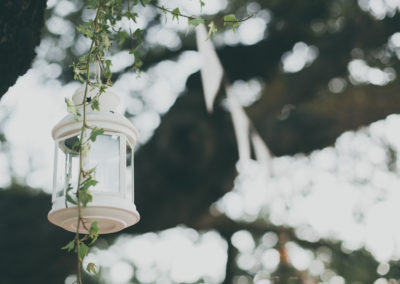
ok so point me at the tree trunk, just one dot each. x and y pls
(21, 22)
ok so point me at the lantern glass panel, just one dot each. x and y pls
(67, 165)
(129, 171)
(60, 175)
(104, 155)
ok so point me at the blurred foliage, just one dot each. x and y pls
(298, 111)
(37, 258)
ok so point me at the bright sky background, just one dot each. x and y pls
(344, 192)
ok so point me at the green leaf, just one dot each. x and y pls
(122, 35)
(85, 195)
(85, 31)
(85, 198)
(95, 132)
(138, 34)
(69, 188)
(229, 18)
(165, 13)
(138, 62)
(91, 171)
(79, 70)
(95, 105)
(71, 108)
(70, 246)
(88, 183)
(175, 14)
(131, 15)
(103, 87)
(107, 74)
(91, 267)
(196, 21)
(212, 29)
(92, 4)
(94, 228)
(202, 4)
(144, 2)
(70, 199)
(105, 41)
(231, 21)
(83, 251)
(76, 146)
(94, 231)
(85, 186)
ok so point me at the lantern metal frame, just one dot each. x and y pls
(113, 211)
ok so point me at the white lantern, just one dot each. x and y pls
(112, 155)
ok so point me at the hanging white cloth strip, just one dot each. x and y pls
(261, 150)
(212, 73)
(211, 68)
(241, 126)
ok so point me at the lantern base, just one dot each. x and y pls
(110, 219)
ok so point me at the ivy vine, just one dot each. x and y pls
(102, 31)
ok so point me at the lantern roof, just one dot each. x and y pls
(108, 118)
(108, 100)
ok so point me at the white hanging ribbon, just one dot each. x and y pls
(241, 126)
(211, 68)
(211, 76)
(261, 150)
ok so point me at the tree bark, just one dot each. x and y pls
(21, 22)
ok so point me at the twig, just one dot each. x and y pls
(81, 170)
(162, 8)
